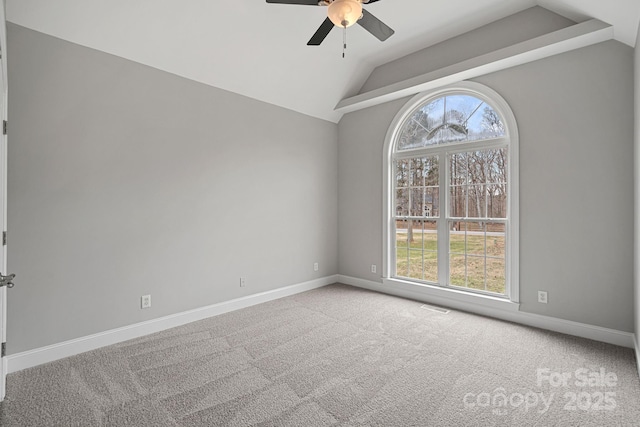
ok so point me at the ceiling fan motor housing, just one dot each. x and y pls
(345, 13)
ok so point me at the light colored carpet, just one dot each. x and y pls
(334, 356)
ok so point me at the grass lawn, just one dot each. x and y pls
(419, 259)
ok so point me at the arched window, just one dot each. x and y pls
(451, 192)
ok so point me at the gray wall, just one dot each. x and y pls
(637, 191)
(575, 118)
(125, 180)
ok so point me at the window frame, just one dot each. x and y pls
(510, 140)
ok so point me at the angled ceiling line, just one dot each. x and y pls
(564, 40)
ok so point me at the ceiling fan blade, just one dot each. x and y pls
(305, 2)
(321, 33)
(370, 1)
(375, 26)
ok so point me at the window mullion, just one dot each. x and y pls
(459, 147)
(443, 223)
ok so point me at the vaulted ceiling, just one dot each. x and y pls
(259, 50)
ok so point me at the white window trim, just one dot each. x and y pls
(511, 301)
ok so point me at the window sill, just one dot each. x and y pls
(452, 297)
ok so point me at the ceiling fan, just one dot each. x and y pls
(343, 13)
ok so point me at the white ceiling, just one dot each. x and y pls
(259, 50)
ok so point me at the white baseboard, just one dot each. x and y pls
(3, 383)
(30, 358)
(597, 333)
(50, 353)
(636, 337)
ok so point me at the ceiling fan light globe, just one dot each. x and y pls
(345, 13)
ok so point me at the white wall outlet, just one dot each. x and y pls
(542, 297)
(315, 266)
(145, 301)
(243, 282)
(374, 268)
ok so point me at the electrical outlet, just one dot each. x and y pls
(243, 282)
(145, 301)
(542, 297)
(315, 266)
(374, 268)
